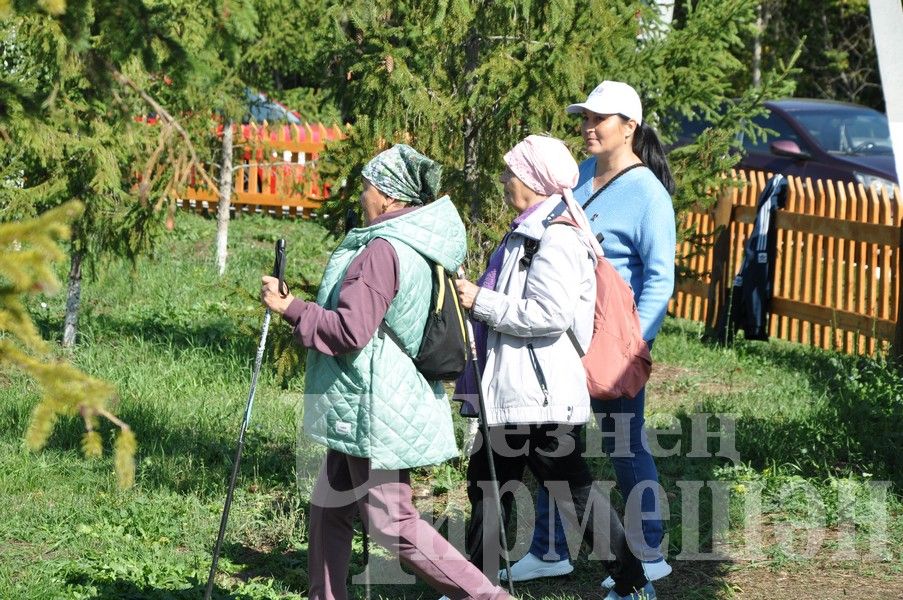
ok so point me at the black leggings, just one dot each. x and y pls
(553, 453)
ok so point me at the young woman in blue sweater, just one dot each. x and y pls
(625, 188)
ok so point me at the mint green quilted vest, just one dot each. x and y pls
(374, 403)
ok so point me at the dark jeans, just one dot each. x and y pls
(554, 454)
(633, 464)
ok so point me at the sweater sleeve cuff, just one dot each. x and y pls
(483, 306)
(295, 311)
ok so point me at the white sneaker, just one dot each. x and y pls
(654, 571)
(531, 567)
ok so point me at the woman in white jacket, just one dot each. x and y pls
(539, 284)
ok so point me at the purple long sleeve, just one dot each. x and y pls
(370, 284)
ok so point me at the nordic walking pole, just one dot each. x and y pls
(484, 431)
(278, 272)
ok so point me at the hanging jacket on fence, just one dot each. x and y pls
(754, 284)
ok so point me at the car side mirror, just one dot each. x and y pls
(788, 148)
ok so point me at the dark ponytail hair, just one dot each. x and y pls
(649, 148)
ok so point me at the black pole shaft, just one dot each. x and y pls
(366, 540)
(235, 465)
(484, 431)
(225, 517)
(278, 272)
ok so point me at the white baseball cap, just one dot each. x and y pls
(612, 98)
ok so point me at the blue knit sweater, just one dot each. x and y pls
(636, 216)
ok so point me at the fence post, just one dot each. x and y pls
(719, 288)
(897, 348)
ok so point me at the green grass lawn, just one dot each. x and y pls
(812, 431)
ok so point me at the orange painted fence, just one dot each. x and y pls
(837, 271)
(273, 171)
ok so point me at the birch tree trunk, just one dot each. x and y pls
(757, 47)
(225, 200)
(73, 299)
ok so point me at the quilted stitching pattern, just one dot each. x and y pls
(435, 231)
(396, 417)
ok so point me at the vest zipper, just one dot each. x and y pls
(537, 368)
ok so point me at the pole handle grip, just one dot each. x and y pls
(351, 219)
(279, 266)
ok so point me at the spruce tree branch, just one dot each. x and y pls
(86, 415)
(146, 182)
(158, 108)
(513, 38)
(113, 419)
(266, 165)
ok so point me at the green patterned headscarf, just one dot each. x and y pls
(404, 174)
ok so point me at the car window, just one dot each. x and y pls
(847, 131)
(780, 130)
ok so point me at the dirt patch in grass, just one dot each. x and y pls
(672, 386)
(822, 581)
(729, 581)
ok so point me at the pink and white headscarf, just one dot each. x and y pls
(546, 166)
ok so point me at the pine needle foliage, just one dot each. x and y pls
(80, 163)
(464, 80)
(77, 86)
(27, 250)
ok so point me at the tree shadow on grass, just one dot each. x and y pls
(238, 336)
(854, 425)
(185, 460)
(128, 590)
(287, 566)
(231, 334)
(198, 456)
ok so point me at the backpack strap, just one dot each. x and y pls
(573, 337)
(531, 247)
(386, 331)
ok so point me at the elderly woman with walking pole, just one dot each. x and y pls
(364, 398)
(532, 307)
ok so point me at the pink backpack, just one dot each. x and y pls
(617, 362)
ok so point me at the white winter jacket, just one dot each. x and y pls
(528, 315)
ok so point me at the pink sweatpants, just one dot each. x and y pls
(345, 486)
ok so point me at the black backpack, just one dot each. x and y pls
(443, 350)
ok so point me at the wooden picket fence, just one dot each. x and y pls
(838, 263)
(273, 171)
